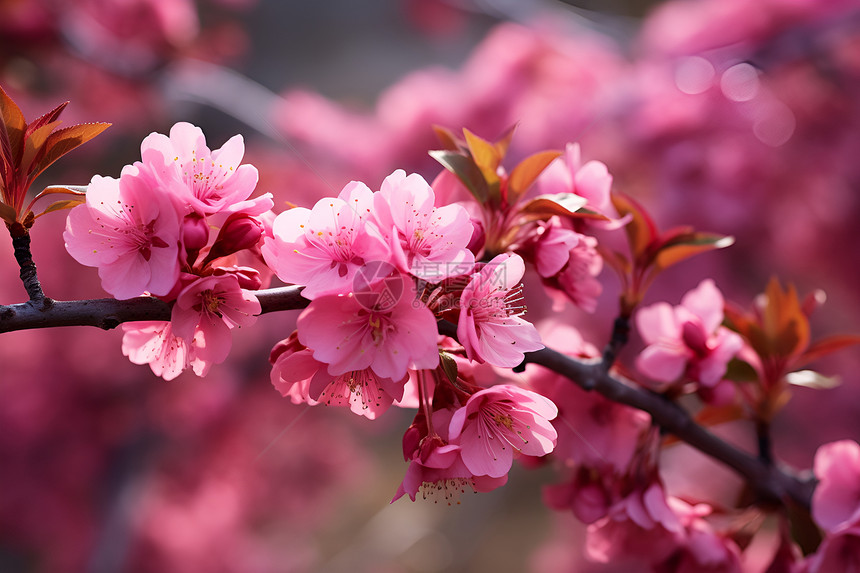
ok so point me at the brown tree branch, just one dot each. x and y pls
(771, 483)
(108, 313)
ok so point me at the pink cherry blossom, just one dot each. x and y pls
(323, 248)
(297, 374)
(687, 339)
(130, 231)
(491, 327)
(207, 181)
(362, 391)
(293, 366)
(836, 501)
(350, 336)
(703, 549)
(839, 552)
(498, 421)
(553, 246)
(591, 181)
(435, 465)
(207, 309)
(155, 344)
(586, 495)
(578, 279)
(592, 430)
(428, 242)
(642, 526)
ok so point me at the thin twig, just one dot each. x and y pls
(108, 313)
(772, 483)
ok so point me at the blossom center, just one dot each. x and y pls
(211, 302)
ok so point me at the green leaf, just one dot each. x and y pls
(449, 366)
(740, 371)
(525, 173)
(466, 171)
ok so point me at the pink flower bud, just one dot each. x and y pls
(479, 236)
(238, 233)
(249, 278)
(195, 232)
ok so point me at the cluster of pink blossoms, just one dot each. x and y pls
(380, 269)
(687, 343)
(174, 226)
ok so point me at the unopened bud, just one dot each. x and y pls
(290, 344)
(249, 278)
(238, 233)
(479, 237)
(195, 232)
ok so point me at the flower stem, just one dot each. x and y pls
(21, 244)
(620, 336)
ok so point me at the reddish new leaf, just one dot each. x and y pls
(561, 204)
(504, 142)
(45, 119)
(79, 190)
(784, 323)
(715, 415)
(525, 173)
(617, 261)
(641, 230)
(60, 205)
(689, 246)
(487, 159)
(7, 213)
(825, 346)
(65, 140)
(15, 125)
(34, 146)
(446, 137)
(484, 153)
